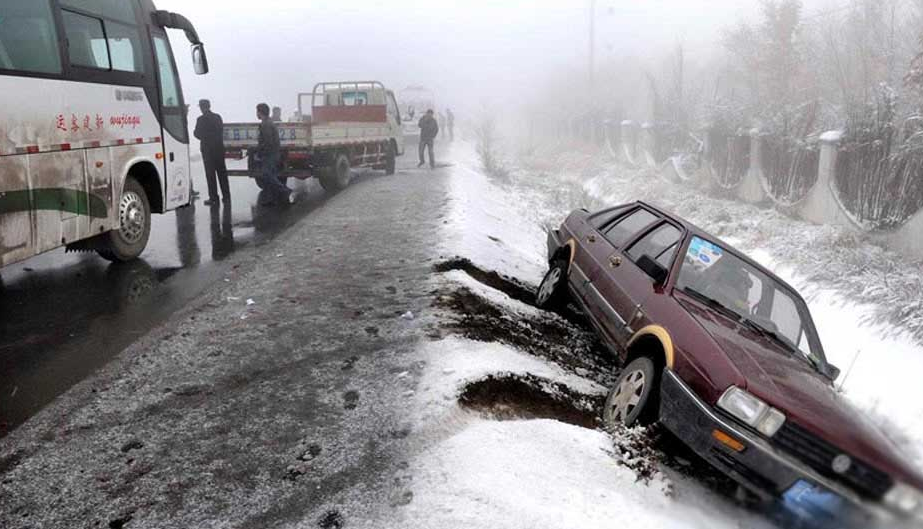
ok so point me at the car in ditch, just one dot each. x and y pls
(725, 355)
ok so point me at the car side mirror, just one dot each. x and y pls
(199, 59)
(654, 269)
(830, 371)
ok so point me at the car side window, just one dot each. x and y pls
(665, 259)
(603, 218)
(655, 243)
(626, 228)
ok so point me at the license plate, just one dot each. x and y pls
(814, 501)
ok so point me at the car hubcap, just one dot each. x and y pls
(549, 284)
(132, 217)
(626, 397)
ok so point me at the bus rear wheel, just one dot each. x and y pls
(134, 216)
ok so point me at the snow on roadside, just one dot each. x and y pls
(486, 228)
(475, 472)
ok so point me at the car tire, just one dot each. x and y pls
(338, 176)
(633, 399)
(552, 292)
(134, 216)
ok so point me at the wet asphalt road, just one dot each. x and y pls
(289, 410)
(64, 315)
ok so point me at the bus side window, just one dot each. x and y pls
(124, 47)
(28, 38)
(86, 41)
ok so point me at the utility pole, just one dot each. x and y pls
(592, 71)
(592, 80)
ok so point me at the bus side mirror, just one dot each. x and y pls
(199, 59)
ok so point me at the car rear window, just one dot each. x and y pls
(656, 243)
(622, 231)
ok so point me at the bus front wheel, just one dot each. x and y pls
(134, 214)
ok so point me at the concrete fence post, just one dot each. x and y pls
(751, 188)
(821, 206)
(629, 142)
(649, 144)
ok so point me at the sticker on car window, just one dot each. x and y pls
(703, 253)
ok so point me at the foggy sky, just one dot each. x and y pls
(471, 53)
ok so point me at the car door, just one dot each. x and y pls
(625, 286)
(587, 235)
(600, 251)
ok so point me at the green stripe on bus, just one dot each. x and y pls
(54, 199)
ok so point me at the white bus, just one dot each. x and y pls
(93, 134)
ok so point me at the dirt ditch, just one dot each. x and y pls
(510, 286)
(552, 338)
(512, 397)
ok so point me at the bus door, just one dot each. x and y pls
(175, 131)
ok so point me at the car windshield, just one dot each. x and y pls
(728, 283)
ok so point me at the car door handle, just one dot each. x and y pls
(615, 261)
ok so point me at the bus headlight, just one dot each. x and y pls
(905, 499)
(752, 411)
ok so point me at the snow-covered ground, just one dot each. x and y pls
(474, 471)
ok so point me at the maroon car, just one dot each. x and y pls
(726, 356)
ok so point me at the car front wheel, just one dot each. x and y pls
(552, 293)
(632, 400)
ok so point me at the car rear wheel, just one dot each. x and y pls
(552, 292)
(633, 398)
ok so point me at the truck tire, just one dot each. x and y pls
(337, 177)
(390, 159)
(134, 214)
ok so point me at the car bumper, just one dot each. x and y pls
(754, 463)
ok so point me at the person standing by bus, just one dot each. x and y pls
(209, 130)
(429, 129)
(269, 154)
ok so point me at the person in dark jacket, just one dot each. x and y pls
(209, 130)
(428, 131)
(269, 154)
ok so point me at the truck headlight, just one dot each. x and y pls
(752, 411)
(905, 499)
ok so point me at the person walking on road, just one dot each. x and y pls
(209, 130)
(268, 153)
(429, 129)
(450, 122)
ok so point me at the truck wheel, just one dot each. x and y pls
(134, 213)
(390, 159)
(337, 178)
(552, 293)
(633, 398)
